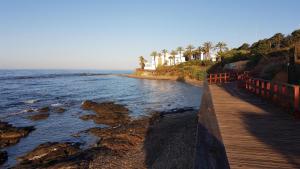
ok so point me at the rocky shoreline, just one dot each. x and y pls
(124, 143)
(10, 135)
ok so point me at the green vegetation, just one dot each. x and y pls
(164, 52)
(266, 57)
(154, 54)
(272, 47)
(189, 51)
(194, 69)
(142, 62)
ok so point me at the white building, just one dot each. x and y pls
(166, 60)
(169, 61)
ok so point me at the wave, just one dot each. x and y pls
(31, 101)
(46, 76)
(56, 104)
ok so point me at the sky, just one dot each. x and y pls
(112, 34)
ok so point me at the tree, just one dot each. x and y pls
(180, 50)
(154, 54)
(164, 51)
(159, 59)
(261, 47)
(173, 54)
(207, 46)
(189, 49)
(296, 36)
(221, 47)
(142, 62)
(287, 41)
(244, 46)
(276, 40)
(197, 52)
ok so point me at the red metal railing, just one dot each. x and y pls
(218, 78)
(283, 94)
(226, 77)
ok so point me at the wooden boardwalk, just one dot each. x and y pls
(256, 134)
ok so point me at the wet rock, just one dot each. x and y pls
(49, 152)
(107, 113)
(64, 159)
(29, 110)
(83, 159)
(10, 135)
(105, 107)
(44, 110)
(87, 117)
(40, 116)
(123, 137)
(60, 110)
(3, 157)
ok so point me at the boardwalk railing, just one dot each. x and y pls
(283, 94)
(218, 78)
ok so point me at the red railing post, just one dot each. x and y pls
(296, 101)
(268, 87)
(275, 92)
(257, 87)
(216, 78)
(262, 92)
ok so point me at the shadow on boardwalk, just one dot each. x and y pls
(271, 125)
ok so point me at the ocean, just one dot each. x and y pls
(24, 90)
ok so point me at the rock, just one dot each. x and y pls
(29, 110)
(125, 136)
(49, 152)
(10, 135)
(83, 159)
(3, 157)
(87, 117)
(63, 157)
(107, 113)
(44, 110)
(40, 116)
(59, 110)
(87, 104)
(105, 107)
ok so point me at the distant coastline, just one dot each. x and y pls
(193, 82)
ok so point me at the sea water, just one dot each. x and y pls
(24, 90)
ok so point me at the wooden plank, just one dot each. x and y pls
(255, 133)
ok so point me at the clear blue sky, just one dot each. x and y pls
(111, 34)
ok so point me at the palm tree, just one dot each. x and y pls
(199, 51)
(180, 50)
(159, 59)
(207, 46)
(154, 54)
(142, 62)
(170, 60)
(173, 54)
(221, 46)
(189, 49)
(164, 51)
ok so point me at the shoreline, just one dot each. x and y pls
(117, 140)
(193, 82)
